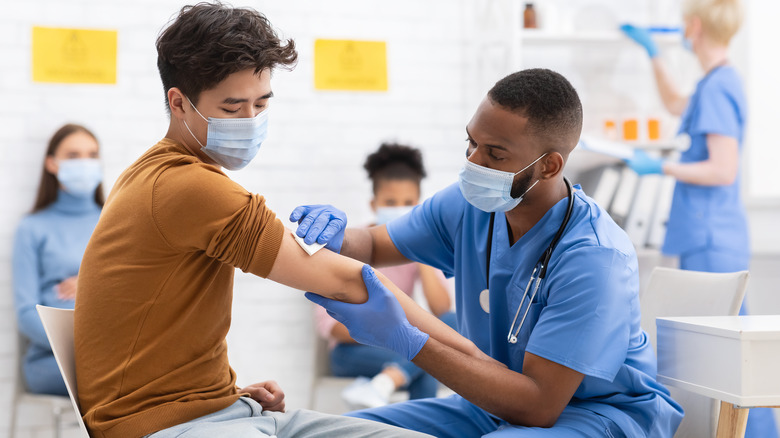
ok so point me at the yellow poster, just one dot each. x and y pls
(74, 56)
(350, 65)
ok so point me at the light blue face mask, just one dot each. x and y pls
(233, 143)
(386, 214)
(687, 43)
(80, 177)
(490, 190)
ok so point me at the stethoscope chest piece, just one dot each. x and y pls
(484, 300)
(537, 274)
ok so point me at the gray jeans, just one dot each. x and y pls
(245, 418)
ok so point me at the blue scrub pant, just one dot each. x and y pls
(353, 360)
(455, 417)
(761, 421)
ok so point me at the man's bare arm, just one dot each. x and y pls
(337, 277)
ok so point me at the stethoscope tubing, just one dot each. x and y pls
(540, 266)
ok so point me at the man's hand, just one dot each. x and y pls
(66, 290)
(379, 322)
(268, 394)
(323, 224)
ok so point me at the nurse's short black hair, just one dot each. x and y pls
(208, 42)
(547, 100)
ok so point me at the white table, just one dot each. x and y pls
(734, 359)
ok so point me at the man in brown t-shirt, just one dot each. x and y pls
(155, 284)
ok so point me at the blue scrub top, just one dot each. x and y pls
(585, 316)
(709, 217)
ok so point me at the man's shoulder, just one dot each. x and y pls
(170, 160)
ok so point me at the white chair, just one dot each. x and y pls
(58, 324)
(674, 292)
(59, 405)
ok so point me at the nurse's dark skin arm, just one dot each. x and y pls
(534, 398)
(373, 246)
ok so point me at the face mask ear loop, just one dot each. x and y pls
(528, 189)
(193, 135)
(201, 115)
(532, 163)
(188, 126)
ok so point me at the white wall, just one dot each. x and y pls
(317, 142)
(315, 150)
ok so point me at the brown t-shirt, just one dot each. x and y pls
(155, 291)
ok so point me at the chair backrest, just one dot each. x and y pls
(58, 324)
(674, 292)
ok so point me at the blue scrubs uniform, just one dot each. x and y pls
(710, 218)
(585, 317)
(707, 225)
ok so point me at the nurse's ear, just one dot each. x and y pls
(693, 29)
(551, 165)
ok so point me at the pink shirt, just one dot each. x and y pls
(403, 276)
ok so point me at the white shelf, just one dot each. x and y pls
(541, 36)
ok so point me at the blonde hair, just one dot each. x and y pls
(720, 19)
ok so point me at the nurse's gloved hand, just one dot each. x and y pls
(642, 37)
(644, 164)
(379, 322)
(321, 224)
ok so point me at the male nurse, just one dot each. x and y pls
(580, 365)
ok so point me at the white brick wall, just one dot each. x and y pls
(317, 143)
(333, 132)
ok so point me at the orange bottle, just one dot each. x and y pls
(653, 129)
(630, 130)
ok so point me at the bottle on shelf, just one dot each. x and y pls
(529, 16)
(630, 130)
(653, 129)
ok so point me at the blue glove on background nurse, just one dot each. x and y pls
(707, 227)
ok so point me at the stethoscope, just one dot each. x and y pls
(540, 267)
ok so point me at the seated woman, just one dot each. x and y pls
(49, 245)
(395, 172)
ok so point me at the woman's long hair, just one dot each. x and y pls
(47, 190)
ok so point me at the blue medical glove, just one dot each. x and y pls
(321, 224)
(644, 164)
(642, 37)
(379, 322)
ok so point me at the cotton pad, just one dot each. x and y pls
(310, 249)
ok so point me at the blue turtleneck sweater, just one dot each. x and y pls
(48, 248)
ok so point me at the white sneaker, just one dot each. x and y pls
(361, 394)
